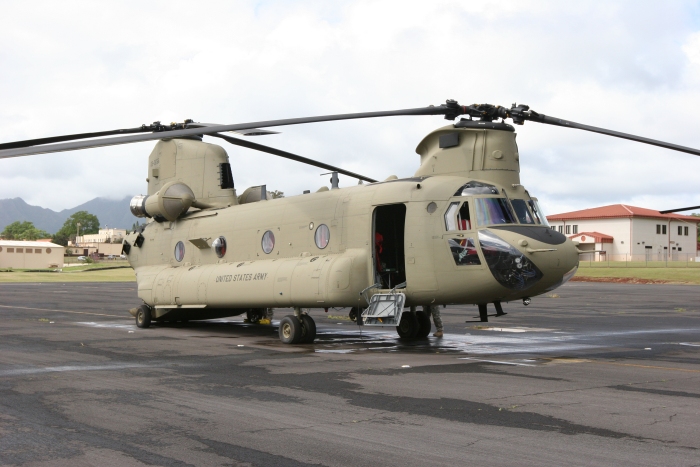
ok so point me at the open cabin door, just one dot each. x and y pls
(388, 228)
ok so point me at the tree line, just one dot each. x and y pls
(89, 224)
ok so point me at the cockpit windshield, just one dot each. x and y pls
(521, 210)
(491, 211)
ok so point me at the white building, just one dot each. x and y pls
(30, 255)
(629, 233)
(105, 235)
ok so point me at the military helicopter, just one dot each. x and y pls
(461, 230)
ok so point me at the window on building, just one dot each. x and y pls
(38, 250)
(663, 229)
(561, 229)
(568, 229)
(680, 230)
(575, 227)
(20, 250)
(685, 231)
(658, 228)
(10, 250)
(680, 249)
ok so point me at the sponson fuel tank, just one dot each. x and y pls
(309, 281)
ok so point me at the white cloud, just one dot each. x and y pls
(85, 66)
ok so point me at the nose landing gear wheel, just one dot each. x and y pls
(423, 324)
(143, 317)
(408, 326)
(308, 330)
(290, 330)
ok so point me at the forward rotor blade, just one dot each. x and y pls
(250, 132)
(617, 134)
(669, 211)
(521, 113)
(289, 155)
(451, 110)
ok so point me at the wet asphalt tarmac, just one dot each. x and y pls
(595, 374)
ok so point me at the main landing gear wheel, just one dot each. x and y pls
(408, 326)
(290, 330)
(308, 330)
(423, 324)
(143, 316)
(353, 314)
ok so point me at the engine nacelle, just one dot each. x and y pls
(169, 203)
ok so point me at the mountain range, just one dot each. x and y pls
(112, 213)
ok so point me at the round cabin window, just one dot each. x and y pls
(0, 248)
(179, 251)
(48, 250)
(219, 246)
(268, 241)
(322, 236)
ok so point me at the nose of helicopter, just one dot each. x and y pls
(528, 259)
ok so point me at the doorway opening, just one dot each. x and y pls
(388, 232)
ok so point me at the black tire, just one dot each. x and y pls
(408, 327)
(424, 325)
(290, 330)
(308, 330)
(353, 314)
(143, 317)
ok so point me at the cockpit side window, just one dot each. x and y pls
(491, 211)
(537, 210)
(464, 221)
(521, 210)
(450, 217)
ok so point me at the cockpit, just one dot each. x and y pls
(492, 208)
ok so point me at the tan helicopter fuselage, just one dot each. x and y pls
(400, 230)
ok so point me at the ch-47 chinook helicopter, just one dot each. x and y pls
(462, 230)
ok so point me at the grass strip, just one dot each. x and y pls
(640, 275)
(107, 275)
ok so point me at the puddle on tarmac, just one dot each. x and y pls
(120, 325)
(339, 341)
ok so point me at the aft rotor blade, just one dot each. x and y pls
(451, 110)
(59, 139)
(668, 211)
(289, 155)
(617, 134)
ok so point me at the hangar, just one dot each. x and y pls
(30, 255)
(629, 233)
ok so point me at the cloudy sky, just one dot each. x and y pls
(633, 66)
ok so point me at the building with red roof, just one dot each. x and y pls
(620, 232)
